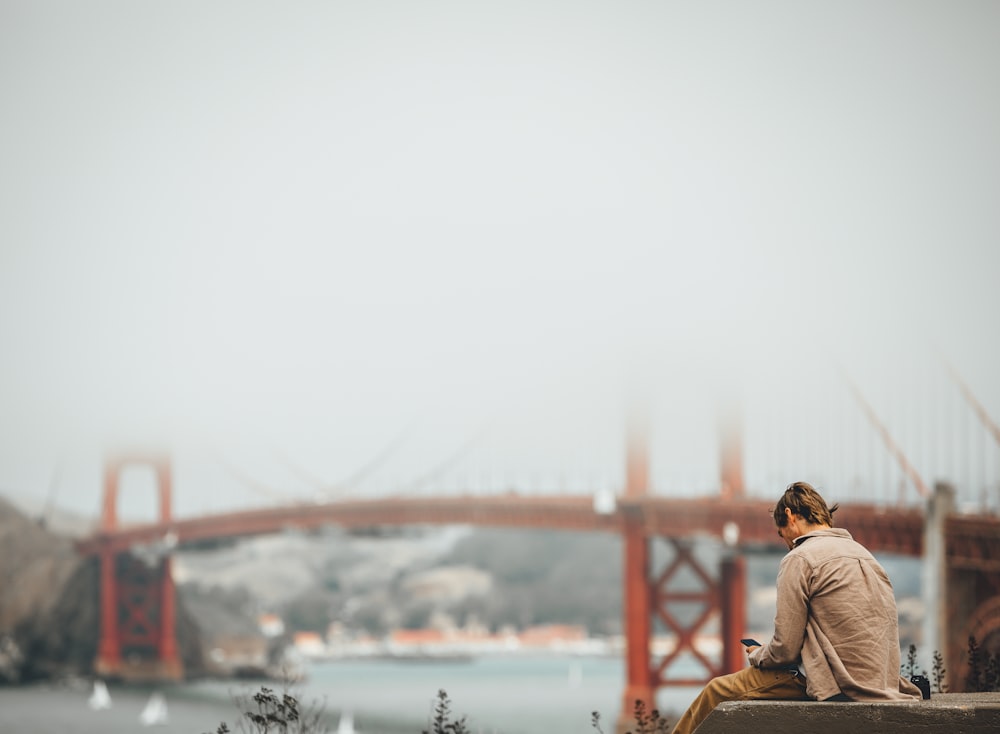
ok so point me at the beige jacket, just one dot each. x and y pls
(836, 616)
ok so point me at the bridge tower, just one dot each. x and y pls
(964, 556)
(646, 595)
(137, 638)
(965, 559)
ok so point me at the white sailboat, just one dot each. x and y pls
(100, 698)
(575, 674)
(155, 711)
(346, 724)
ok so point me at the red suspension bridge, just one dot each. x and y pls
(961, 553)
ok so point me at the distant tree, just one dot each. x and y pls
(938, 674)
(991, 675)
(417, 615)
(984, 669)
(909, 668)
(371, 618)
(310, 611)
(267, 712)
(441, 721)
(651, 723)
(973, 679)
(544, 578)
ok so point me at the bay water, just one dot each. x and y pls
(517, 694)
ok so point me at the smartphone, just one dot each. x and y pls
(750, 642)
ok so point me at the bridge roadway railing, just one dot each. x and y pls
(973, 543)
(879, 528)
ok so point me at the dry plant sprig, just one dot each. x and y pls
(441, 722)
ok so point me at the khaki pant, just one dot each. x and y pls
(745, 685)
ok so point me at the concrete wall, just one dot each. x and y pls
(947, 713)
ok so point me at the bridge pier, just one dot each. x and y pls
(108, 646)
(733, 604)
(639, 681)
(936, 636)
(637, 599)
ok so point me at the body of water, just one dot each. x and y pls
(505, 695)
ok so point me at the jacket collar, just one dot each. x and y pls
(825, 532)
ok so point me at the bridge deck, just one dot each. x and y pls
(879, 528)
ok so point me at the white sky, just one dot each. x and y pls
(274, 237)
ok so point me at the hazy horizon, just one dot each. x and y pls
(324, 244)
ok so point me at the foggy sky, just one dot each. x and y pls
(281, 240)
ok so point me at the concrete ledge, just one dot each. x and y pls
(947, 713)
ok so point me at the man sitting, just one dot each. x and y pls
(835, 629)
